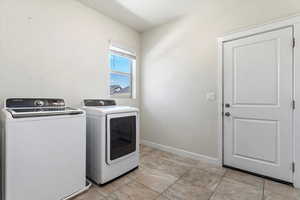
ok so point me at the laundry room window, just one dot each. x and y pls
(122, 72)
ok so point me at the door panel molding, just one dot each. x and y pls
(272, 99)
(243, 152)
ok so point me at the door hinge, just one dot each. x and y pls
(294, 42)
(294, 104)
(293, 167)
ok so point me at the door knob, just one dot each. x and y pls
(227, 114)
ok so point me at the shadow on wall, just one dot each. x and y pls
(121, 13)
(180, 62)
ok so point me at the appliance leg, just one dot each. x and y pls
(86, 188)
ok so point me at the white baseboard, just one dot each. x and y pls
(182, 152)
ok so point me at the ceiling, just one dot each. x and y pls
(142, 14)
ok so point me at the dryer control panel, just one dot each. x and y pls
(99, 102)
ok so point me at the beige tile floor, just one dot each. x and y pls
(164, 176)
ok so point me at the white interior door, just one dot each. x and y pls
(258, 94)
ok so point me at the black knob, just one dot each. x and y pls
(39, 103)
(227, 114)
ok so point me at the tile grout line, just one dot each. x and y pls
(215, 190)
(191, 168)
(147, 188)
(116, 189)
(131, 181)
(180, 177)
(263, 192)
(161, 194)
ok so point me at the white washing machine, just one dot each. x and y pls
(43, 150)
(112, 139)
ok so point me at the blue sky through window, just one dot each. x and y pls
(120, 83)
(120, 64)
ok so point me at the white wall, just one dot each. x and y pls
(57, 48)
(180, 67)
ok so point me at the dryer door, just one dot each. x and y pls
(121, 136)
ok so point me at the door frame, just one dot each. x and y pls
(293, 22)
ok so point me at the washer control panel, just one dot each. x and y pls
(34, 102)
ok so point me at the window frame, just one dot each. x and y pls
(113, 50)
